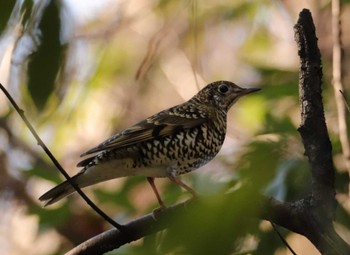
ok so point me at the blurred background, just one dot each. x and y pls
(84, 69)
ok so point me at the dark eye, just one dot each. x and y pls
(223, 88)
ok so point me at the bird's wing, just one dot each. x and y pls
(159, 125)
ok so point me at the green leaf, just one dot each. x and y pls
(46, 61)
(279, 126)
(115, 197)
(44, 173)
(258, 164)
(226, 224)
(52, 217)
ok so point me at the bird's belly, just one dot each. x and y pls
(117, 168)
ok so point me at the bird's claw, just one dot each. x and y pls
(157, 211)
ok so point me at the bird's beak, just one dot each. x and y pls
(241, 93)
(248, 91)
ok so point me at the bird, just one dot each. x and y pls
(168, 144)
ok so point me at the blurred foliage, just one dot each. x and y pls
(5, 12)
(72, 66)
(45, 62)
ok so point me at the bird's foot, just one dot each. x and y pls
(158, 211)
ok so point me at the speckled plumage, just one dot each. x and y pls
(170, 143)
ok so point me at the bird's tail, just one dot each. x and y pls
(86, 177)
(60, 191)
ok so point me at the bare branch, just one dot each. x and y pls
(148, 224)
(313, 129)
(318, 211)
(293, 216)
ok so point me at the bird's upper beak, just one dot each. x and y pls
(250, 90)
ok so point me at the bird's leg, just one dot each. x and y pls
(181, 184)
(154, 188)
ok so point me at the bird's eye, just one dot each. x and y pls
(223, 88)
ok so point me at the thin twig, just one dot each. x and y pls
(282, 238)
(57, 164)
(345, 100)
(153, 47)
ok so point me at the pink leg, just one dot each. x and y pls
(154, 188)
(183, 185)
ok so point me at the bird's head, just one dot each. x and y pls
(222, 94)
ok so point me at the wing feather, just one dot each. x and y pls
(159, 125)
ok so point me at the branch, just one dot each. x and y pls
(153, 223)
(136, 229)
(313, 129)
(320, 206)
(293, 216)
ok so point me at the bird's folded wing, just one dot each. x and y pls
(159, 125)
